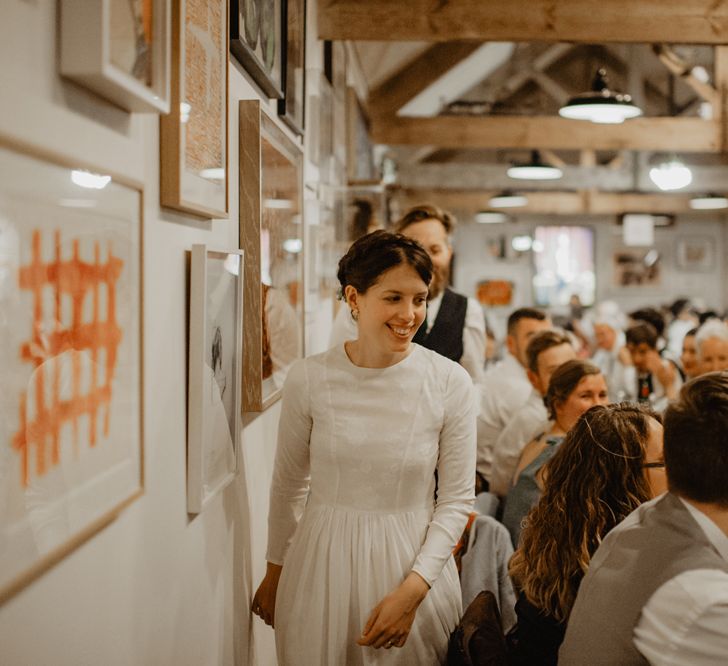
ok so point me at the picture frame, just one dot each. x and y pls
(215, 373)
(118, 50)
(291, 107)
(695, 254)
(637, 267)
(271, 234)
(360, 168)
(256, 41)
(71, 352)
(339, 121)
(194, 136)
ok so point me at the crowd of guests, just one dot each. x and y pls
(619, 541)
(570, 442)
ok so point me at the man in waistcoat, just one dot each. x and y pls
(657, 588)
(455, 325)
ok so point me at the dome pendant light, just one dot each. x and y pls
(507, 200)
(600, 105)
(671, 175)
(536, 169)
(708, 202)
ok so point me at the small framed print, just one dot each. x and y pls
(271, 233)
(119, 49)
(215, 371)
(193, 137)
(291, 105)
(71, 357)
(256, 41)
(695, 253)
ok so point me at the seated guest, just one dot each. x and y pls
(609, 339)
(657, 588)
(711, 342)
(598, 476)
(505, 387)
(645, 376)
(689, 356)
(546, 351)
(575, 387)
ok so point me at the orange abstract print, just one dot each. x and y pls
(75, 279)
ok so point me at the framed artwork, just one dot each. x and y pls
(637, 267)
(325, 152)
(215, 372)
(291, 105)
(493, 293)
(359, 149)
(271, 234)
(71, 354)
(339, 95)
(695, 253)
(193, 137)
(256, 41)
(119, 49)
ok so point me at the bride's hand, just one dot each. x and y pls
(264, 601)
(390, 622)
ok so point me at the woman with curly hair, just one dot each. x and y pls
(608, 464)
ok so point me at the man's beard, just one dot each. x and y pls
(440, 280)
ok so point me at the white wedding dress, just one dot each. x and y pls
(352, 503)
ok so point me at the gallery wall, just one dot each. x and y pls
(156, 585)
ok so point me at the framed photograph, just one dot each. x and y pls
(339, 95)
(271, 234)
(360, 167)
(193, 138)
(291, 105)
(696, 253)
(119, 49)
(215, 372)
(637, 267)
(256, 41)
(71, 355)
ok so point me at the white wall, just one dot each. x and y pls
(153, 587)
(473, 263)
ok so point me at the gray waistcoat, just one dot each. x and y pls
(654, 544)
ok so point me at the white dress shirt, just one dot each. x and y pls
(345, 328)
(529, 421)
(686, 620)
(505, 388)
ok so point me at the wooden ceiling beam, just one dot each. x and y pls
(678, 67)
(665, 134)
(589, 21)
(554, 203)
(391, 95)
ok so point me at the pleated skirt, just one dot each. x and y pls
(340, 565)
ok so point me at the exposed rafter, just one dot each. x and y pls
(554, 203)
(413, 78)
(591, 21)
(668, 134)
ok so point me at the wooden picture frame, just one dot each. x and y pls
(271, 234)
(256, 41)
(291, 106)
(194, 136)
(695, 254)
(119, 50)
(360, 168)
(215, 373)
(71, 353)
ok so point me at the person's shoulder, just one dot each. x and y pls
(442, 365)
(474, 316)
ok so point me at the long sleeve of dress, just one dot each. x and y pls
(291, 475)
(456, 477)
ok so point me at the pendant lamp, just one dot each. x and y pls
(600, 105)
(536, 169)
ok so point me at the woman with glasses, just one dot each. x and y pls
(608, 464)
